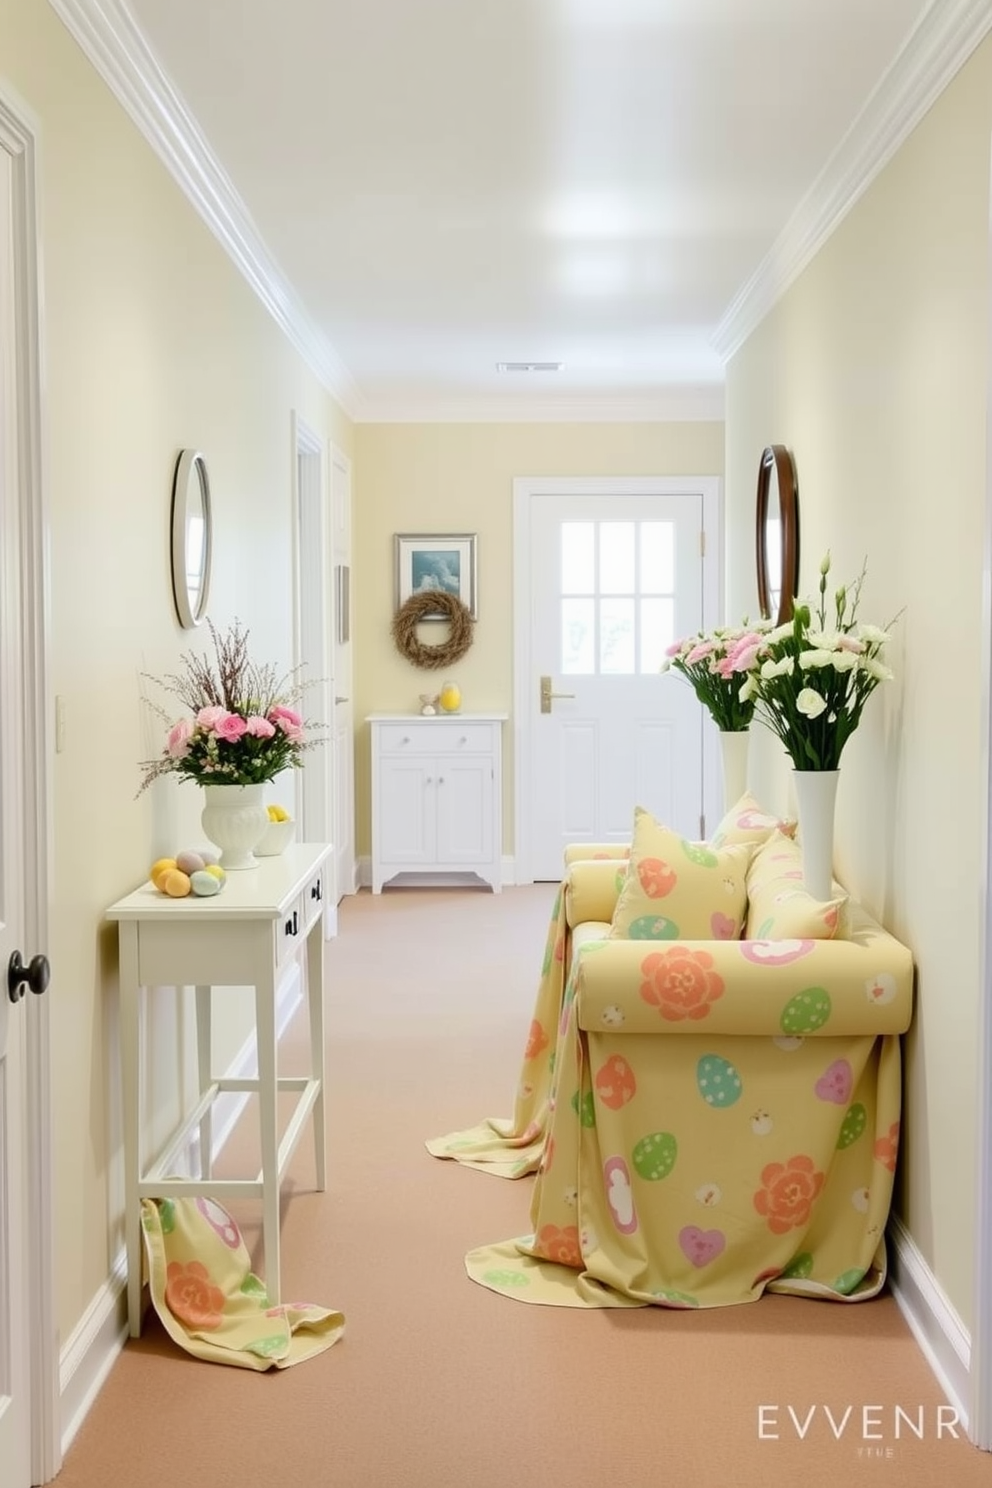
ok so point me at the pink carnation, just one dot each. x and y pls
(259, 727)
(179, 737)
(698, 652)
(231, 727)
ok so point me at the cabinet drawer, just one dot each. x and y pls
(436, 738)
(292, 931)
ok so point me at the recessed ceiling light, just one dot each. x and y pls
(529, 366)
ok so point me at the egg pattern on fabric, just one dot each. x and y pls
(853, 1125)
(718, 1081)
(653, 927)
(654, 1155)
(806, 1012)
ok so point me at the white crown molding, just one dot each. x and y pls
(944, 38)
(109, 36)
(679, 404)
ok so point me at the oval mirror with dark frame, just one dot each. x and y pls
(192, 538)
(777, 533)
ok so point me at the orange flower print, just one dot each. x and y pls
(561, 1245)
(655, 877)
(886, 1148)
(615, 1083)
(680, 983)
(536, 1041)
(192, 1296)
(787, 1196)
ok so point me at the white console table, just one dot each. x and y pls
(247, 935)
(437, 795)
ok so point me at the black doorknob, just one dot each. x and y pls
(35, 975)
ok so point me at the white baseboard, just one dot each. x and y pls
(932, 1320)
(91, 1351)
(507, 876)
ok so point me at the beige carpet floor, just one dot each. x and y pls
(439, 1383)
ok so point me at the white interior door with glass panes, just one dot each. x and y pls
(614, 575)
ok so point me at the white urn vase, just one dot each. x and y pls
(733, 753)
(816, 795)
(234, 819)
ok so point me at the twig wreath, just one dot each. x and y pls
(429, 604)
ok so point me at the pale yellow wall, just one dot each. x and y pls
(874, 370)
(152, 341)
(459, 478)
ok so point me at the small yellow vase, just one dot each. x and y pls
(450, 698)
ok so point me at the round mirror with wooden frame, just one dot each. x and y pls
(192, 538)
(777, 534)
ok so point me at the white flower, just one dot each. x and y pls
(844, 661)
(815, 658)
(748, 689)
(873, 635)
(876, 669)
(810, 703)
(778, 634)
(782, 668)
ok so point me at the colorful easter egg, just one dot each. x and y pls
(676, 1299)
(159, 868)
(190, 862)
(216, 871)
(204, 884)
(700, 855)
(656, 877)
(653, 927)
(175, 883)
(848, 1281)
(800, 1266)
(852, 1126)
(717, 1081)
(654, 1156)
(806, 1012)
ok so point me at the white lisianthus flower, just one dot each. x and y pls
(844, 661)
(779, 633)
(748, 689)
(810, 703)
(782, 668)
(815, 658)
(876, 669)
(823, 640)
(873, 635)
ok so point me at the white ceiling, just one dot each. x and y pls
(424, 188)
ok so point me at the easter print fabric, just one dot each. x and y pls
(210, 1303)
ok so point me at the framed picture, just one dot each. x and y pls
(436, 560)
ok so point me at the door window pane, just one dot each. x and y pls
(616, 644)
(578, 636)
(578, 558)
(657, 632)
(657, 554)
(616, 558)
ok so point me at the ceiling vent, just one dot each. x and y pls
(529, 366)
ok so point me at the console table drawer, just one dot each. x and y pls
(436, 738)
(292, 929)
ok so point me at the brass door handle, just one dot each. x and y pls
(547, 695)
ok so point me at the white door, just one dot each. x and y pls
(15, 1374)
(313, 644)
(614, 573)
(343, 726)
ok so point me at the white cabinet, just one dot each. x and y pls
(436, 795)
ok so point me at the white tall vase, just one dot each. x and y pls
(234, 819)
(733, 751)
(816, 794)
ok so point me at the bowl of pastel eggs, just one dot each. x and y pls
(195, 872)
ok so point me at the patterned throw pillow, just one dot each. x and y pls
(680, 890)
(779, 908)
(747, 821)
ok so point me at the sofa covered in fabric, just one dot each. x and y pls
(707, 1117)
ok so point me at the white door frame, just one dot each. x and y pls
(19, 133)
(525, 489)
(980, 1361)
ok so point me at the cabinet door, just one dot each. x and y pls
(464, 811)
(407, 797)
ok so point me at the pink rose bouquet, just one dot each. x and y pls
(238, 725)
